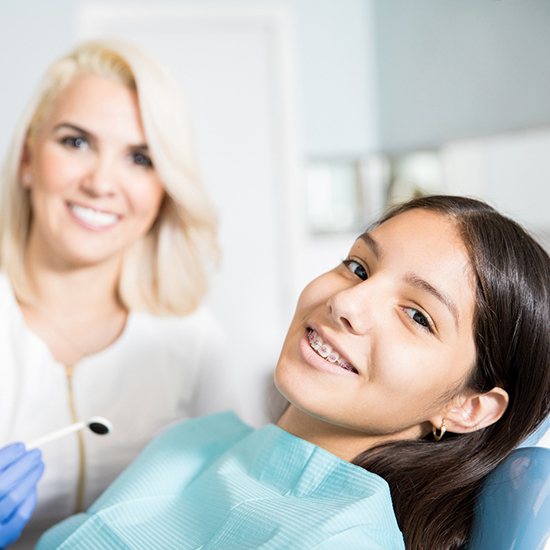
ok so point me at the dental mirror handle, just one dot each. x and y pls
(56, 434)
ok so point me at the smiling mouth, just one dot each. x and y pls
(325, 351)
(96, 218)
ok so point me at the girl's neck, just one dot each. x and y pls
(343, 442)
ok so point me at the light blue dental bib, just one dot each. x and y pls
(214, 482)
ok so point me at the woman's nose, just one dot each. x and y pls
(100, 179)
(352, 308)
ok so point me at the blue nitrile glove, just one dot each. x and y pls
(20, 471)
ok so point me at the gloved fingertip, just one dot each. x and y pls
(27, 507)
(40, 469)
(11, 453)
(16, 447)
(35, 454)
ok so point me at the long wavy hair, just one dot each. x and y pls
(435, 485)
(166, 270)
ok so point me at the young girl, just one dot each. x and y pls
(412, 370)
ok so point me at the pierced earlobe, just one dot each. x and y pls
(26, 180)
(442, 429)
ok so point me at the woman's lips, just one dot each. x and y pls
(92, 218)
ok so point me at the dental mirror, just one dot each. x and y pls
(96, 424)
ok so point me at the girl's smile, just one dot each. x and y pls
(325, 356)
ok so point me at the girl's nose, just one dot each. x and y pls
(352, 308)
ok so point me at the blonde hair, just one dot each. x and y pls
(165, 271)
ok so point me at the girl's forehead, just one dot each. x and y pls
(416, 227)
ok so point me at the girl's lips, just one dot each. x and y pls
(326, 349)
(313, 359)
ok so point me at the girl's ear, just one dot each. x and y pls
(473, 411)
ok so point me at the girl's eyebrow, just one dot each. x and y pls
(372, 244)
(416, 281)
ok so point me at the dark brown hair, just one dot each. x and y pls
(435, 485)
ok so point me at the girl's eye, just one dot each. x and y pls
(76, 142)
(357, 269)
(418, 318)
(141, 159)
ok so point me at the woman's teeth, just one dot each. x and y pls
(326, 351)
(93, 217)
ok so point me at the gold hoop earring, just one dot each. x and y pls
(442, 430)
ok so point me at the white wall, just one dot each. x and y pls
(471, 76)
(32, 33)
(335, 63)
(450, 69)
(337, 70)
(510, 170)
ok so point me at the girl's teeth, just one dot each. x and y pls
(326, 351)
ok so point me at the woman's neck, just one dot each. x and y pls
(75, 311)
(93, 289)
(59, 285)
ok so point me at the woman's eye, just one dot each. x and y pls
(76, 142)
(142, 159)
(356, 268)
(418, 318)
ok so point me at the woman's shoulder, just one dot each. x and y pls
(6, 291)
(9, 312)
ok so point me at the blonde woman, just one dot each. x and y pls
(106, 241)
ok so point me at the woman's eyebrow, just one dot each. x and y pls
(139, 146)
(73, 127)
(416, 281)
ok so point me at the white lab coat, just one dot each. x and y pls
(160, 370)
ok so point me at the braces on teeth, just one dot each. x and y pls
(325, 351)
